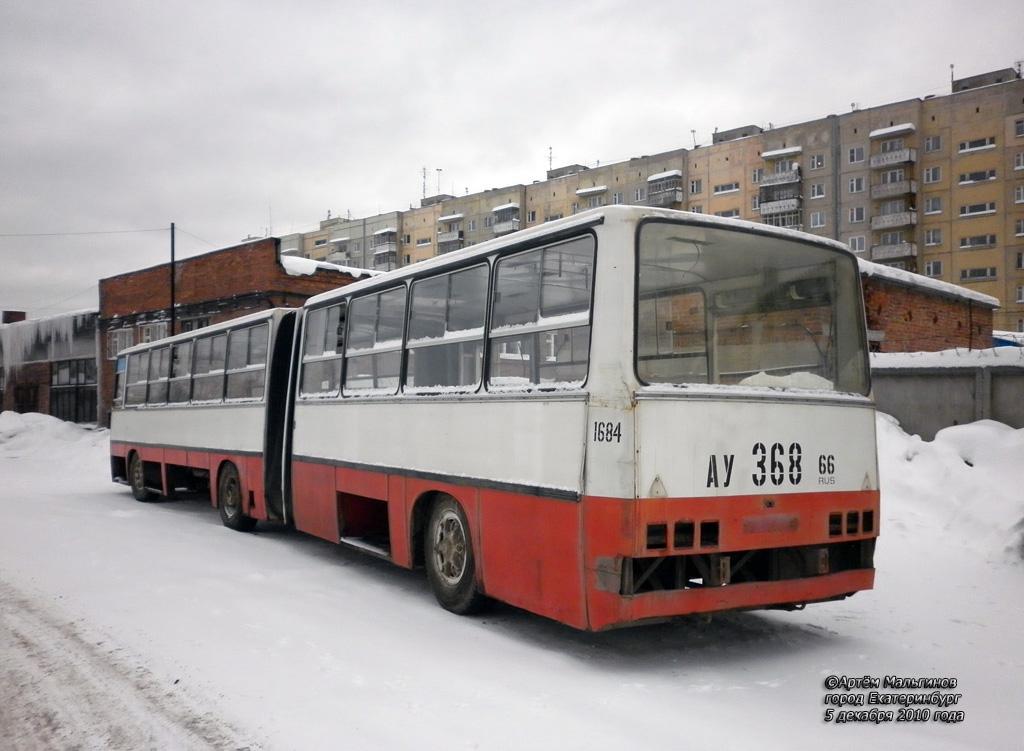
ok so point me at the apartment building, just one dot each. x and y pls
(932, 185)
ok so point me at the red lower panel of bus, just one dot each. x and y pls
(604, 561)
(166, 460)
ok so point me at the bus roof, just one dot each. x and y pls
(559, 228)
(233, 323)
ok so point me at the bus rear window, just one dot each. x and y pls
(743, 309)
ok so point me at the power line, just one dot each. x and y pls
(71, 234)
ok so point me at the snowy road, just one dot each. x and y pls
(61, 692)
(152, 626)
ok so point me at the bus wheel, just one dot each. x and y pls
(451, 565)
(137, 480)
(229, 500)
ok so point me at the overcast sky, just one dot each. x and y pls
(236, 119)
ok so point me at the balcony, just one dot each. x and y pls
(780, 178)
(780, 207)
(503, 228)
(893, 252)
(892, 158)
(671, 197)
(892, 221)
(449, 237)
(891, 190)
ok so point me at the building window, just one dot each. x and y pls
(150, 332)
(856, 154)
(857, 214)
(817, 161)
(696, 186)
(978, 241)
(1018, 160)
(818, 190)
(978, 209)
(698, 209)
(755, 203)
(756, 175)
(1020, 293)
(888, 208)
(892, 176)
(933, 268)
(1018, 230)
(857, 244)
(616, 200)
(817, 219)
(856, 184)
(1018, 128)
(727, 188)
(731, 213)
(933, 144)
(933, 237)
(978, 144)
(893, 144)
(933, 205)
(977, 177)
(1018, 194)
(595, 202)
(1020, 321)
(893, 238)
(932, 175)
(640, 194)
(119, 340)
(974, 275)
(487, 222)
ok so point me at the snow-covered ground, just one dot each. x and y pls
(127, 625)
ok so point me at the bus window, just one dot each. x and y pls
(208, 371)
(373, 355)
(540, 326)
(731, 308)
(159, 369)
(179, 391)
(247, 362)
(321, 359)
(446, 329)
(138, 374)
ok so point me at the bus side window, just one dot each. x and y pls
(540, 325)
(180, 388)
(159, 368)
(208, 373)
(138, 373)
(321, 352)
(373, 353)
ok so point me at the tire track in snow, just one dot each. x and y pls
(59, 692)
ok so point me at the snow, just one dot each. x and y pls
(209, 638)
(960, 357)
(297, 266)
(908, 278)
(18, 339)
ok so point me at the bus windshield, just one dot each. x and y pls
(716, 306)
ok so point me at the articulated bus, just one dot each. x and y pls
(624, 416)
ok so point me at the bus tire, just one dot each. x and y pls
(137, 480)
(450, 560)
(229, 501)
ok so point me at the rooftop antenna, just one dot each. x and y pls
(951, 72)
(693, 132)
(439, 170)
(424, 182)
(551, 158)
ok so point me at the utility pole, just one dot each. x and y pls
(171, 331)
(439, 181)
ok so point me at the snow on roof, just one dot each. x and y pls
(512, 205)
(961, 357)
(385, 231)
(17, 339)
(450, 217)
(295, 266)
(663, 175)
(893, 130)
(592, 191)
(777, 153)
(344, 239)
(907, 278)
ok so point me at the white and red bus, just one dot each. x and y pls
(624, 416)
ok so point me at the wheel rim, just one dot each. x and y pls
(450, 548)
(138, 478)
(229, 496)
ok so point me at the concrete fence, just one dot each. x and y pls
(928, 391)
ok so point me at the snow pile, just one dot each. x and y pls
(959, 357)
(299, 266)
(37, 436)
(970, 479)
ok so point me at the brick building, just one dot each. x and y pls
(136, 307)
(907, 312)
